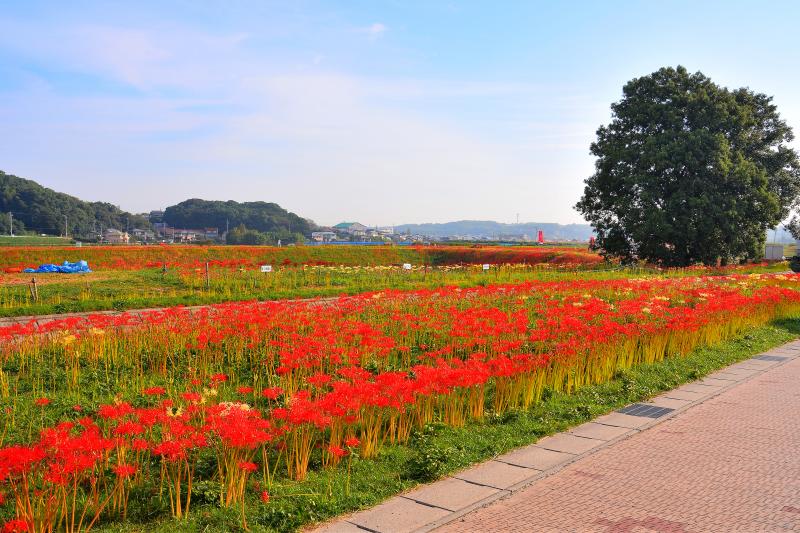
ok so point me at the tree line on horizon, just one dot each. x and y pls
(34, 209)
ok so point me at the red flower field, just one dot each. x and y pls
(267, 389)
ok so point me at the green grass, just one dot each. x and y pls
(32, 240)
(441, 450)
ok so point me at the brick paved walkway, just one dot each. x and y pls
(731, 463)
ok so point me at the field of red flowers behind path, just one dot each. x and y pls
(242, 394)
(16, 258)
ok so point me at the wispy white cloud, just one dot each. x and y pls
(375, 30)
(178, 57)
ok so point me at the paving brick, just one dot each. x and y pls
(719, 382)
(536, 457)
(564, 442)
(701, 388)
(729, 376)
(670, 403)
(451, 493)
(623, 420)
(593, 430)
(754, 364)
(398, 515)
(678, 394)
(496, 474)
(741, 371)
(727, 464)
(340, 526)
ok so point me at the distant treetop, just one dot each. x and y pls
(265, 217)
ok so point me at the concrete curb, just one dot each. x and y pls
(407, 513)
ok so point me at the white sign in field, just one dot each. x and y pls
(486, 267)
(266, 268)
(406, 266)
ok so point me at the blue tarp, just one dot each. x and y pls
(66, 268)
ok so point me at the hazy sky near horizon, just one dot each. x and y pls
(385, 112)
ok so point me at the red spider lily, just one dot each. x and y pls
(272, 393)
(248, 466)
(125, 471)
(114, 412)
(193, 397)
(337, 451)
(16, 526)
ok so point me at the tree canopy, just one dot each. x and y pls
(689, 172)
(37, 209)
(263, 217)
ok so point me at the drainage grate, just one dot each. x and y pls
(642, 409)
(770, 358)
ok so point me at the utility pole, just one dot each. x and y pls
(66, 227)
(11, 223)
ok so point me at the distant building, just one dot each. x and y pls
(161, 228)
(351, 228)
(774, 252)
(115, 236)
(143, 234)
(323, 236)
(186, 235)
(513, 237)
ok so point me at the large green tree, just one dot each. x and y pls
(689, 172)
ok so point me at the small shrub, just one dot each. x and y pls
(429, 459)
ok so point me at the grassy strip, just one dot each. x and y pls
(32, 240)
(441, 450)
(124, 290)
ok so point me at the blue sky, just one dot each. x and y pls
(383, 112)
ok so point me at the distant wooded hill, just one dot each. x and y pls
(487, 229)
(261, 216)
(37, 209)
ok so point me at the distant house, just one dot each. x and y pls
(115, 236)
(187, 235)
(351, 228)
(323, 236)
(162, 228)
(143, 234)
